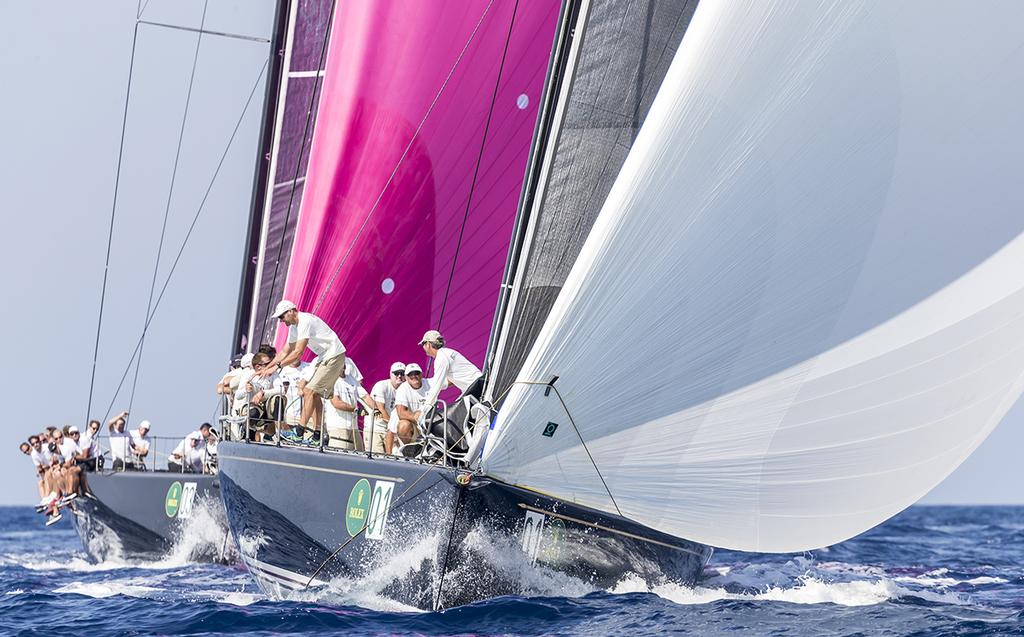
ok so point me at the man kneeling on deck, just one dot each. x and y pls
(410, 403)
(306, 330)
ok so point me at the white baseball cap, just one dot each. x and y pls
(397, 367)
(145, 424)
(72, 430)
(412, 368)
(247, 360)
(283, 307)
(433, 337)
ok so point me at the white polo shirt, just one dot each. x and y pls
(87, 441)
(141, 442)
(120, 445)
(383, 393)
(69, 448)
(43, 457)
(320, 337)
(350, 391)
(413, 399)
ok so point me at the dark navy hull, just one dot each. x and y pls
(432, 539)
(140, 514)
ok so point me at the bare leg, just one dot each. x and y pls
(406, 431)
(312, 407)
(389, 442)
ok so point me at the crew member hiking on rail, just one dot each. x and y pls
(306, 330)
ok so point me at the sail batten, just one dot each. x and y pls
(802, 303)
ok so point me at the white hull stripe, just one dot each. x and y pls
(284, 577)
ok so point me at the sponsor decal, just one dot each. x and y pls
(553, 540)
(358, 507)
(533, 531)
(188, 499)
(549, 429)
(379, 505)
(173, 499)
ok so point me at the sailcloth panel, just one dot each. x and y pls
(426, 118)
(802, 305)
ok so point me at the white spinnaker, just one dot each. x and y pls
(802, 305)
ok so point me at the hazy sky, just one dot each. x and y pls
(65, 73)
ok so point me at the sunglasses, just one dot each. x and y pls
(414, 374)
(398, 373)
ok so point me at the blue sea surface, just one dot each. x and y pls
(929, 571)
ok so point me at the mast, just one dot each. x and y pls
(239, 342)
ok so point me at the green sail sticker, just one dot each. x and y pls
(358, 507)
(173, 500)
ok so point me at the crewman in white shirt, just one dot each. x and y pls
(450, 368)
(120, 442)
(140, 443)
(383, 394)
(89, 442)
(188, 456)
(342, 414)
(307, 330)
(410, 403)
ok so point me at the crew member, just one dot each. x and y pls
(307, 330)
(342, 415)
(140, 443)
(383, 395)
(410, 403)
(120, 442)
(450, 368)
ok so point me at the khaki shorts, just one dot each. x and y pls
(325, 375)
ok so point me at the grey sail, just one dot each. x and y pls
(623, 51)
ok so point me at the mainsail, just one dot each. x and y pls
(425, 124)
(802, 303)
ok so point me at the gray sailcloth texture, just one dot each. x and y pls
(802, 305)
(626, 48)
(307, 29)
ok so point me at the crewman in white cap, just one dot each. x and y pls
(307, 330)
(450, 368)
(375, 433)
(410, 403)
(140, 442)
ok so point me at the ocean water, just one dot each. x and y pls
(929, 571)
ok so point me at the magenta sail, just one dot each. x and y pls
(418, 158)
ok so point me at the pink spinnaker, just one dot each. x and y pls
(406, 269)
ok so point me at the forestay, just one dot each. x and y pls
(801, 306)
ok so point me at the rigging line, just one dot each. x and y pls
(201, 30)
(317, 84)
(188, 235)
(405, 153)
(170, 196)
(110, 232)
(448, 548)
(582, 442)
(476, 169)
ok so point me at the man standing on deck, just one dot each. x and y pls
(375, 435)
(307, 330)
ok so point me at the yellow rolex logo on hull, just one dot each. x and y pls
(358, 507)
